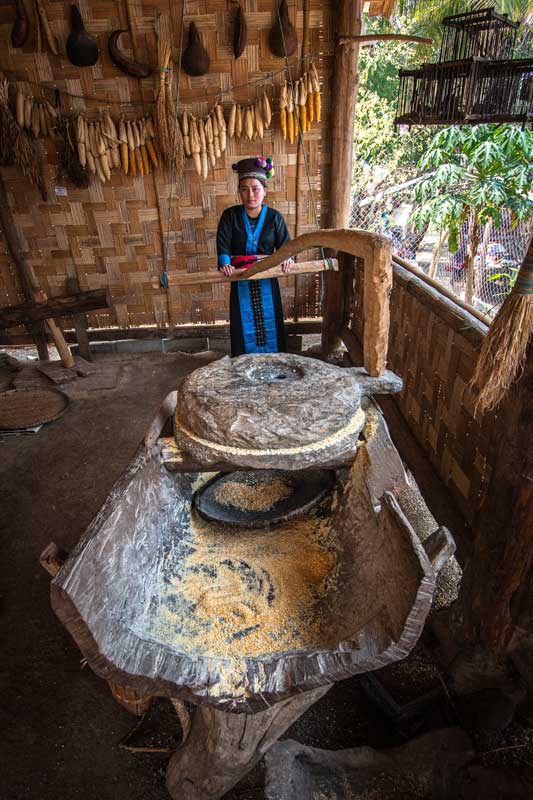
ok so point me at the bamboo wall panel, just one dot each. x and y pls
(111, 235)
(435, 351)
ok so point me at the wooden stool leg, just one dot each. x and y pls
(223, 747)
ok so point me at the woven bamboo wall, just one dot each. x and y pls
(111, 235)
(433, 346)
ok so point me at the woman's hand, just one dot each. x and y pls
(228, 270)
(286, 265)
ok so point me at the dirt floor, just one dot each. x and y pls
(61, 728)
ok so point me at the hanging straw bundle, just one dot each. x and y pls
(68, 154)
(505, 347)
(169, 133)
(16, 147)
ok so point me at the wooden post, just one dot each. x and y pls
(7, 222)
(223, 747)
(80, 323)
(344, 94)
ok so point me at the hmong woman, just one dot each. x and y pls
(246, 233)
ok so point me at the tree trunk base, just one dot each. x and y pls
(223, 747)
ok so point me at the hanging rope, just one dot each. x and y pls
(219, 94)
(163, 278)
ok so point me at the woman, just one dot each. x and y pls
(246, 233)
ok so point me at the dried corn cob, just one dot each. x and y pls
(239, 123)
(283, 109)
(123, 139)
(232, 120)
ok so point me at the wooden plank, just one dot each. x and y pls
(63, 306)
(214, 276)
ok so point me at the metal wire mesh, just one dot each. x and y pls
(497, 262)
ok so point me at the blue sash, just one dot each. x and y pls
(255, 299)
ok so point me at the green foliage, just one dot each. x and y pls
(377, 143)
(484, 169)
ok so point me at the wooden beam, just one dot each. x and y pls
(180, 278)
(299, 327)
(344, 90)
(63, 306)
(374, 38)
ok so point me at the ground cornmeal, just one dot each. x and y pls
(243, 593)
(259, 496)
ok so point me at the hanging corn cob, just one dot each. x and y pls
(131, 149)
(185, 134)
(195, 145)
(302, 100)
(124, 151)
(203, 148)
(316, 91)
(310, 101)
(80, 140)
(149, 131)
(239, 123)
(232, 120)
(210, 141)
(144, 152)
(221, 123)
(290, 114)
(283, 109)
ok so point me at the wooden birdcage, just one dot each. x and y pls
(478, 34)
(475, 80)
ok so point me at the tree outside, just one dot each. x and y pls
(476, 174)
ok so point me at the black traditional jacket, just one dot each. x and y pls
(236, 237)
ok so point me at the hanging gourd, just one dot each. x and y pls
(21, 26)
(282, 38)
(240, 32)
(195, 59)
(82, 50)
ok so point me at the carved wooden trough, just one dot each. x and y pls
(260, 623)
(252, 626)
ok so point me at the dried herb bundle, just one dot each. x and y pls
(16, 147)
(169, 133)
(69, 161)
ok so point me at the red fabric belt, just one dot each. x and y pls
(242, 262)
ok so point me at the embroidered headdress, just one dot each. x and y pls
(258, 167)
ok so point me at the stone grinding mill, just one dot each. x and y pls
(287, 419)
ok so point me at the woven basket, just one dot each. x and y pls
(26, 408)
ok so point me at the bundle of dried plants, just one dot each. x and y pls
(169, 132)
(16, 147)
